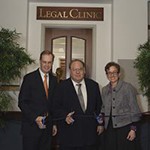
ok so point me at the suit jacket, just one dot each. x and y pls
(83, 131)
(121, 103)
(33, 102)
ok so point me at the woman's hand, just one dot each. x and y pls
(131, 135)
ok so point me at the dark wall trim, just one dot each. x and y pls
(11, 115)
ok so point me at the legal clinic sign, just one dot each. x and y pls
(70, 13)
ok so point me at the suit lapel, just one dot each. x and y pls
(88, 89)
(51, 84)
(72, 88)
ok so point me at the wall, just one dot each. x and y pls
(129, 27)
(10, 137)
(13, 15)
(130, 20)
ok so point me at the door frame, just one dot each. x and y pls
(89, 47)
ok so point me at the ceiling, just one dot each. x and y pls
(73, 1)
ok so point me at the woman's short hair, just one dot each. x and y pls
(110, 64)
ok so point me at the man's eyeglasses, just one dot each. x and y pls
(77, 70)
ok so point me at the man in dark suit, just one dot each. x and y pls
(77, 102)
(35, 102)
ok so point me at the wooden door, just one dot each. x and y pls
(68, 44)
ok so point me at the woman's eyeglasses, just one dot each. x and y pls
(114, 74)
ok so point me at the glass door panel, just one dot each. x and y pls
(78, 48)
(59, 50)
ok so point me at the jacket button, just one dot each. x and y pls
(113, 107)
(115, 124)
(113, 98)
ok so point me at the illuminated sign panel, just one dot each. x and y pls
(70, 13)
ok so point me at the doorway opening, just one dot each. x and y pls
(68, 44)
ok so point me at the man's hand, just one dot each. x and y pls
(39, 122)
(100, 129)
(69, 118)
(54, 130)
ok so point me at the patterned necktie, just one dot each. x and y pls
(45, 85)
(80, 96)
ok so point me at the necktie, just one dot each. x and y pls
(45, 85)
(80, 96)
